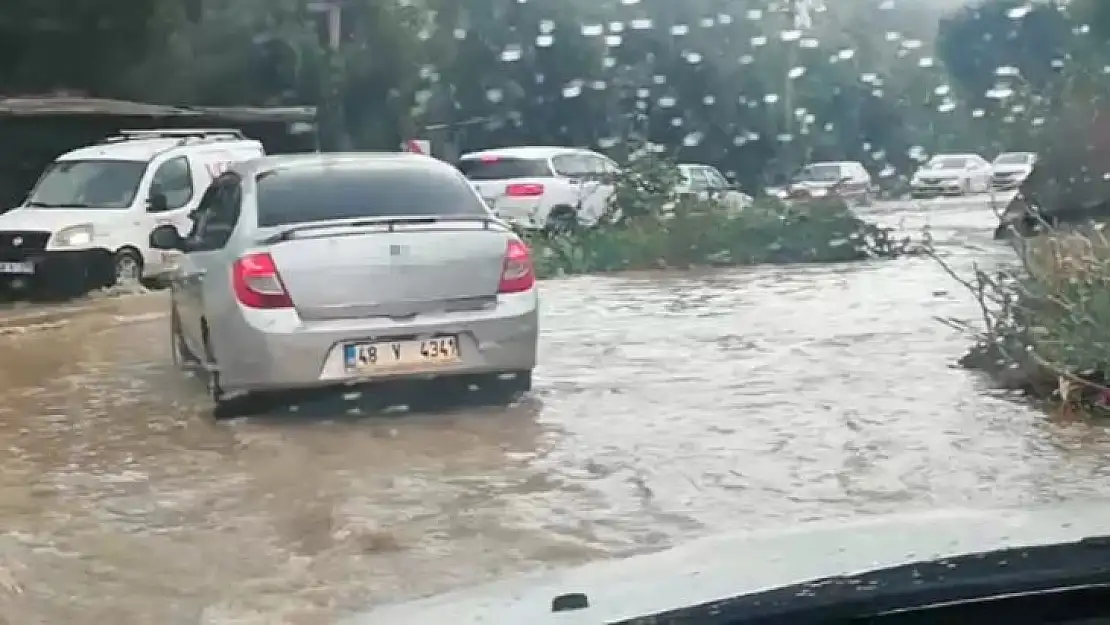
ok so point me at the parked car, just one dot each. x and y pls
(705, 183)
(86, 222)
(1010, 169)
(952, 174)
(849, 180)
(320, 271)
(543, 187)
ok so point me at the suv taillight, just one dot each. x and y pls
(517, 273)
(257, 284)
(524, 190)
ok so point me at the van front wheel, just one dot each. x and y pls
(127, 267)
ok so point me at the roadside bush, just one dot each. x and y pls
(1047, 322)
(649, 227)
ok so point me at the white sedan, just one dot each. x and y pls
(1011, 169)
(952, 174)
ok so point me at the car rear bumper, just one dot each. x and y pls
(274, 350)
(62, 270)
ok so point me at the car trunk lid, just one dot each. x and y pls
(393, 269)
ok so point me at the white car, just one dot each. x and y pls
(952, 174)
(541, 188)
(707, 183)
(1011, 169)
(850, 179)
(87, 221)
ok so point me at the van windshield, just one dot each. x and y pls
(88, 184)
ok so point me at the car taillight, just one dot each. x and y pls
(257, 284)
(517, 273)
(524, 190)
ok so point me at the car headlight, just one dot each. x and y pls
(74, 236)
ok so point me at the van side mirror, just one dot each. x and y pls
(166, 237)
(158, 202)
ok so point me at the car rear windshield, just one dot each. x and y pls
(953, 162)
(819, 173)
(497, 168)
(326, 193)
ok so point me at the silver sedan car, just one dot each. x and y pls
(327, 270)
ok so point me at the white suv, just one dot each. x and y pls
(542, 187)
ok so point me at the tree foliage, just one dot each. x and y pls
(718, 80)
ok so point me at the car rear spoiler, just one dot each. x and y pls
(289, 233)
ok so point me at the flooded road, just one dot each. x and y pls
(667, 407)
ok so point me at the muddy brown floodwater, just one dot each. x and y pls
(667, 407)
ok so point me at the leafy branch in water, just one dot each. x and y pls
(1046, 322)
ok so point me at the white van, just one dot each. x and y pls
(87, 222)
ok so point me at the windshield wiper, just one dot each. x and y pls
(36, 204)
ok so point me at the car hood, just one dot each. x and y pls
(940, 173)
(54, 219)
(721, 567)
(814, 184)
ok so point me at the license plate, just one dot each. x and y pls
(23, 269)
(405, 355)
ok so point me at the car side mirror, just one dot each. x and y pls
(166, 237)
(158, 202)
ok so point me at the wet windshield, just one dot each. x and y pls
(702, 358)
(88, 184)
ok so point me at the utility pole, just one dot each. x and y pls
(791, 11)
(336, 134)
(334, 12)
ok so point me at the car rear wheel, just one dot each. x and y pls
(223, 406)
(488, 389)
(505, 388)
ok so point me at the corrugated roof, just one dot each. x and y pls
(26, 106)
